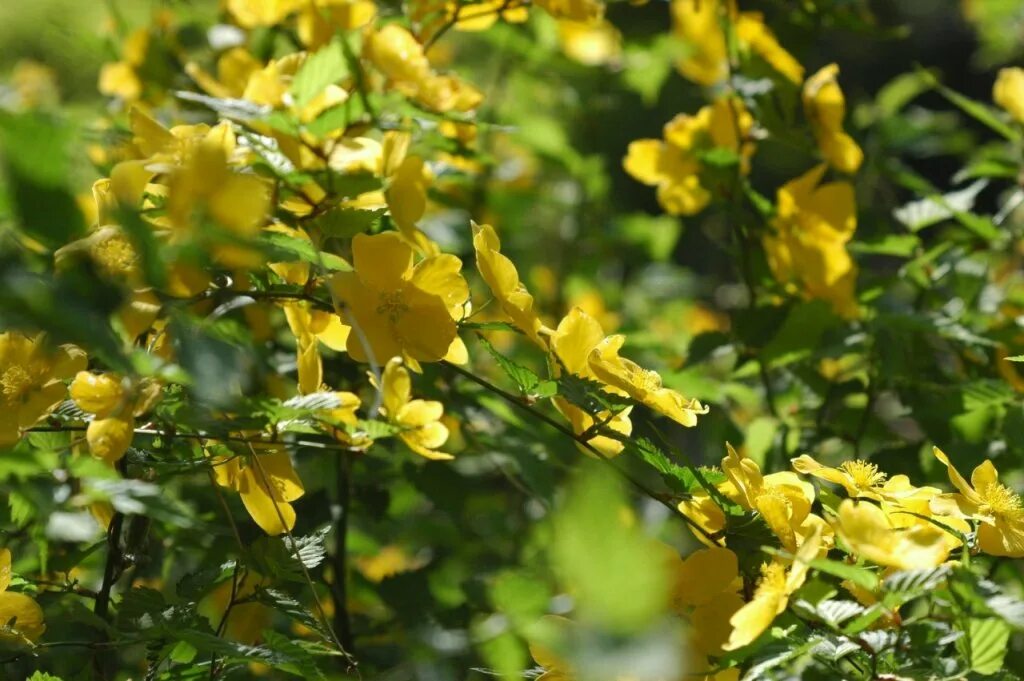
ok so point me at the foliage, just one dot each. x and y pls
(567, 339)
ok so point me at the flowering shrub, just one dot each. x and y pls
(354, 362)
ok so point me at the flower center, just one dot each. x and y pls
(15, 382)
(648, 380)
(392, 305)
(999, 499)
(773, 579)
(114, 255)
(863, 474)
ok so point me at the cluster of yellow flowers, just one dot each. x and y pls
(397, 301)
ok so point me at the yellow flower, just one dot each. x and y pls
(99, 394)
(673, 165)
(894, 540)
(120, 78)
(771, 596)
(572, 342)
(573, 10)
(312, 327)
(387, 562)
(236, 201)
(996, 507)
(862, 479)
(115, 403)
(752, 32)
(319, 19)
(706, 60)
(806, 250)
(782, 500)
(419, 420)
(245, 621)
(406, 194)
(478, 16)
(21, 618)
(697, 23)
(235, 68)
(643, 385)
(707, 585)
(825, 107)
(589, 43)
(109, 438)
(255, 13)
(31, 380)
(401, 58)
(502, 278)
(1008, 92)
(267, 483)
(397, 309)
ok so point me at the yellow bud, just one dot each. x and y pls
(100, 394)
(109, 438)
(1008, 92)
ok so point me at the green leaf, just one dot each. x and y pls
(289, 248)
(605, 561)
(37, 171)
(527, 382)
(1015, 358)
(980, 226)
(347, 222)
(326, 66)
(679, 479)
(858, 575)
(984, 645)
(800, 333)
(982, 113)
(926, 212)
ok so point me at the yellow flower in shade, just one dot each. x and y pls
(590, 43)
(862, 479)
(397, 309)
(256, 13)
(643, 385)
(706, 59)
(1008, 92)
(572, 342)
(267, 483)
(706, 592)
(245, 621)
(806, 248)
(502, 278)
(115, 403)
(996, 507)
(890, 539)
(31, 380)
(21, 618)
(121, 78)
(419, 421)
(573, 10)
(388, 561)
(673, 164)
(771, 596)
(825, 107)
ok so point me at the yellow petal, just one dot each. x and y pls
(23, 614)
(705, 575)
(100, 394)
(109, 438)
(381, 260)
(1008, 92)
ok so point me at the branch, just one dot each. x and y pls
(515, 401)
